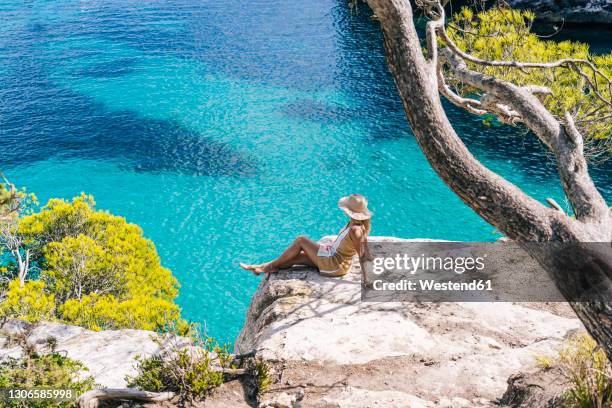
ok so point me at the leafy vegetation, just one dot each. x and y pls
(545, 362)
(263, 376)
(73, 263)
(194, 368)
(183, 369)
(505, 34)
(85, 267)
(28, 302)
(13, 201)
(587, 371)
(39, 370)
(13, 204)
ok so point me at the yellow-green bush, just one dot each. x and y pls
(262, 374)
(28, 302)
(545, 362)
(586, 371)
(76, 266)
(99, 312)
(100, 269)
(187, 371)
(14, 201)
(505, 34)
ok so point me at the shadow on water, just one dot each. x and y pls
(112, 69)
(71, 126)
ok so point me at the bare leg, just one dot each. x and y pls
(301, 259)
(301, 245)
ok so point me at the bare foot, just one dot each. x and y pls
(259, 268)
(252, 268)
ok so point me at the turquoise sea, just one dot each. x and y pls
(225, 128)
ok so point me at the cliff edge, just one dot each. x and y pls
(109, 355)
(329, 349)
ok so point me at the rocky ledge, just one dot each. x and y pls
(108, 355)
(329, 349)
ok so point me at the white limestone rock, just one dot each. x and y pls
(109, 355)
(330, 349)
(436, 352)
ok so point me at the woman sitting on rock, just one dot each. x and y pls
(331, 259)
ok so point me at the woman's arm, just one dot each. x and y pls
(363, 251)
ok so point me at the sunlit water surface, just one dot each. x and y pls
(225, 128)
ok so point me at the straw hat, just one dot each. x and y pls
(355, 206)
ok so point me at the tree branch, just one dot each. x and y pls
(564, 141)
(500, 202)
(92, 399)
(570, 63)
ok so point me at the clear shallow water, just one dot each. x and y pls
(226, 128)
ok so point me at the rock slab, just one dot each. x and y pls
(109, 355)
(347, 353)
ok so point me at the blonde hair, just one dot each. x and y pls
(367, 227)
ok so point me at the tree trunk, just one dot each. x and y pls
(580, 272)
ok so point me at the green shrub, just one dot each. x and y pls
(545, 362)
(186, 370)
(34, 370)
(589, 373)
(13, 201)
(263, 377)
(586, 370)
(150, 375)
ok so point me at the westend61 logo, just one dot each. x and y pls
(405, 263)
(412, 264)
(437, 271)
